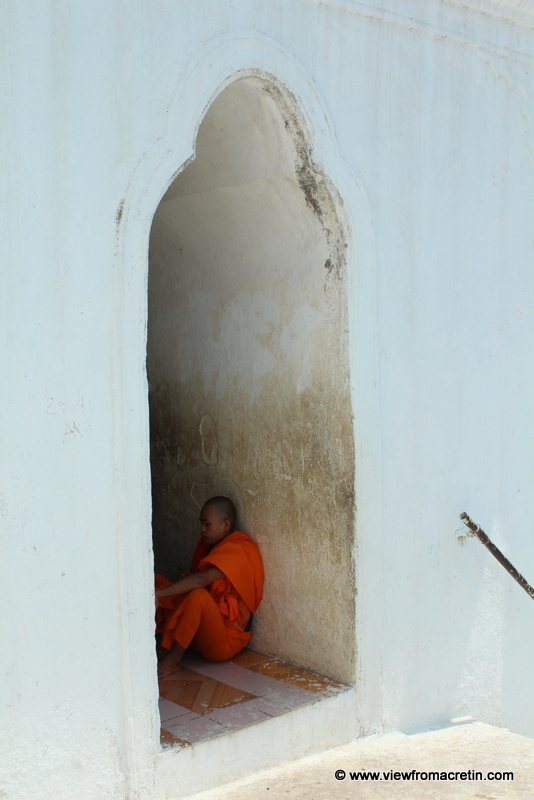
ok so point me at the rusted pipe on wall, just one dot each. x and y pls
(477, 531)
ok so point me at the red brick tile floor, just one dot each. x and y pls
(205, 699)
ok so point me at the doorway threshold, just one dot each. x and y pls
(224, 721)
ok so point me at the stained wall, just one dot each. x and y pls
(248, 369)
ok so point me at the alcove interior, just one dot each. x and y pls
(248, 369)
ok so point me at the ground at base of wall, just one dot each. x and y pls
(467, 747)
(205, 699)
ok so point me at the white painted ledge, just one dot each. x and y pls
(302, 732)
(457, 747)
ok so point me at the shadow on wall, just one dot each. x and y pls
(248, 369)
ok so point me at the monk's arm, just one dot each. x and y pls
(196, 581)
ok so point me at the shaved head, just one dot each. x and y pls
(224, 508)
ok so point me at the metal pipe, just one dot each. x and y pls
(477, 531)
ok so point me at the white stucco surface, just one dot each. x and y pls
(420, 113)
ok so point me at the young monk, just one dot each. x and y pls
(210, 607)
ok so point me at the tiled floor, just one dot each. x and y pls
(204, 699)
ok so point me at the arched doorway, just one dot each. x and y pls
(249, 372)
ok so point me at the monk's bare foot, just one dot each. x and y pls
(172, 663)
(167, 666)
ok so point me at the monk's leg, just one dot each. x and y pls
(200, 623)
(165, 607)
(161, 652)
(211, 639)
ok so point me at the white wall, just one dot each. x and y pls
(421, 116)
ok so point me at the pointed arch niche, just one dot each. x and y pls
(248, 369)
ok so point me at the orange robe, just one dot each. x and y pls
(166, 605)
(213, 619)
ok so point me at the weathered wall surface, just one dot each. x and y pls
(420, 112)
(248, 367)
